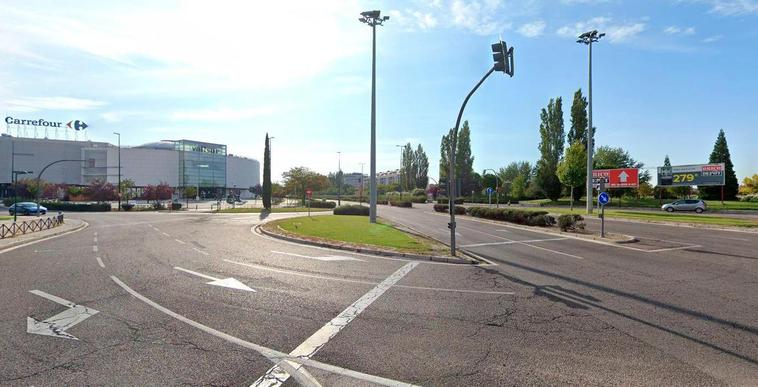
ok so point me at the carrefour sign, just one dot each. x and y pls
(75, 124)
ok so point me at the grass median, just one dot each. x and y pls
(676, 217)
(356, 230)
(248, 210)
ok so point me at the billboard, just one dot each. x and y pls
(687, 175)
(617, 178)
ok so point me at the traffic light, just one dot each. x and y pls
(503, 57)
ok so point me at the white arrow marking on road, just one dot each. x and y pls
(329, 258)
(57, 325)
(623, 176)
(226, 283)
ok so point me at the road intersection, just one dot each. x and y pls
(545, 310)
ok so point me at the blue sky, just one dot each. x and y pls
(667, 77)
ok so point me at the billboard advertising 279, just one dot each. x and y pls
(686, 175)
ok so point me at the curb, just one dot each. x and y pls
(15, 244)
(701, 226)
(384, 253)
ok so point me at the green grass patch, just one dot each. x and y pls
(616, 202)
(357, 230)
(676, 217)
(2, 217)
(247, 210)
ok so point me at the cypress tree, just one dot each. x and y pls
(551, 149)
(267, 175)
(720, 154)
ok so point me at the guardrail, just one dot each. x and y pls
(29, 226)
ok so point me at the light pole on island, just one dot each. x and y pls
(119, 169)
(588, 38)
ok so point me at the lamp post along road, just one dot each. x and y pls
(373, 19)
(119, 169)
(339, 178)
(503, 57)
(588, 38)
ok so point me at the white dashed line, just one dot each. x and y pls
(94, 240)
(180, 241)
(94, 248)
(513, 242)
(278, 375)
(164, 234)
(100, 262)
(200, 251)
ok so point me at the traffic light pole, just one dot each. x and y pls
(451, 176)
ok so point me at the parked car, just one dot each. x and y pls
(26, 208)
(696, 205)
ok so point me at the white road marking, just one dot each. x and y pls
(95, 234)
(226, 283)
(329, 258)
(100, 262)
(85, 225)
(200, 251)
(277, 375)
(447, 230)
(673, 248)
(512, 242)
(525, 244)
(271, 354)
(316, 276)
(57, 325)
(504, 230)
(94, 248)
(165, 234)
(180, 241)
(94, 240)
(155, 228)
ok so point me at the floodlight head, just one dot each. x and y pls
(601, 35)
(371, 14)
(386, 18)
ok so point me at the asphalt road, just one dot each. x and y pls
(677, 310)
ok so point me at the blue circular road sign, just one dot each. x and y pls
(490, 190)
(603, 198)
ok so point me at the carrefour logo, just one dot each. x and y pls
(76, 124)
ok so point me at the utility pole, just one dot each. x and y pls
(373, 19)
(503, 57)
(119, 169)
(339, 178)
(588, 38)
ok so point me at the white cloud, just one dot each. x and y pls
(34, 104)
(675, 30)
(733, 7)
(617, 33)
(533, 29)
(478, 16)
(712, 39)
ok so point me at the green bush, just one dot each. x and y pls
(532, 218)
(77, 207)
(176, 206)
(158, 206)
(322, 204)
(401, 203)
(571, 222)
(127, 206)
(352, 209)
(445, 208)
(743, 198)
(443, 200)
(418, 199)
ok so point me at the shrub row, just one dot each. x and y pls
(445, 208)
(531, 218)
(571, 222)
(418, 199)
(352, 209)
(322, 204)
(443, 200)
(749, 198)
(401, 203)
(80, 207)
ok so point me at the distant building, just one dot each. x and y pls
(388, 177)
(355, 179)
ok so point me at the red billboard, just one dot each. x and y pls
(617, 178)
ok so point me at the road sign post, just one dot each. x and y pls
(489, 196)
(602, 199)
(309, 195)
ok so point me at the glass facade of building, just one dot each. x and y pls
(201, 164)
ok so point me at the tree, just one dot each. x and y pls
(675, 191)
(518, 187)
(299, 179)
(256, 190)
(126, 189)
(645, 190)
(578, 129)
(464, 161)
(749, 185)
(162, 191)
(551, 149)
(100, 190)
(409, 167)
(445, 161)
(189, 192)
(571, 170)
(267, 175)
(422, 168)
(720, 154)
(666, 161)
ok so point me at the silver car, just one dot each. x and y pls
(696, 205)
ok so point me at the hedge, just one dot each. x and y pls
(401, 203)
(445, 208)
(81, 207)
(571, 222)
(531, 218)
(352, 209)
(418, 199)
(322, 204)
(443, 200)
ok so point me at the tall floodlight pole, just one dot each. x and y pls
(588, 38)
(119, 169)
(373, 19)
(503, 57)
(339, 178)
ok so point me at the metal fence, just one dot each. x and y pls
(28, 226)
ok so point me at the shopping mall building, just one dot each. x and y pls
(180, 163)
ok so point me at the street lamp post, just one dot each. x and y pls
(339, 178)
(373, 19)
(119, 169)
(588, 38)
